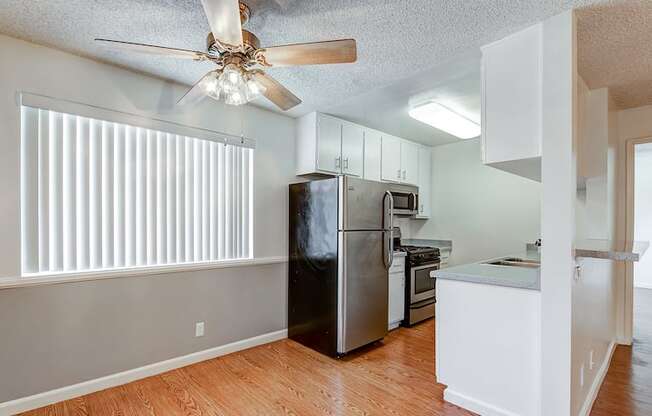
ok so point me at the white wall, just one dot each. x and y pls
(62, 334)
(486, 212)
(643, 212)
(594, 294)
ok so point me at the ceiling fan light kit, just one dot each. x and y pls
(239, 77)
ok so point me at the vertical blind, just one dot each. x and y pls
(104, 195)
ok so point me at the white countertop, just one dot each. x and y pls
(489, 274)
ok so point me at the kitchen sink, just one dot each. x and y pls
(515, 262)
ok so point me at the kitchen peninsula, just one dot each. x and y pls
(487, 335)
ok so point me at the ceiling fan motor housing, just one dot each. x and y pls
(249, 40)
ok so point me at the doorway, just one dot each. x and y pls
(638, 275)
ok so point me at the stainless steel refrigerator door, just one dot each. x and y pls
(362, 204)
(362, 289)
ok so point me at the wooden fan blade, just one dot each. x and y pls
(275, 92)
(153, 49)
(329, 52)
(195, 94)
(224, 20)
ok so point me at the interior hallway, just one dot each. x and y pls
(627, 388)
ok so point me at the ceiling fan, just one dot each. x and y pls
(239, 76)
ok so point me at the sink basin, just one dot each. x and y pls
(515, 262)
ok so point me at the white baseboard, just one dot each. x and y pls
(597, 382)
(65, 393)
(476, 406)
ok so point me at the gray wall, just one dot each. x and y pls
(57, 335)
(485, 212)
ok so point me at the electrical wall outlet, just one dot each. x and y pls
(199, 329)
(582, 376)
(591, 362)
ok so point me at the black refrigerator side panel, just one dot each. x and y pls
(312, 269)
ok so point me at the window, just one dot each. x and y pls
(100, 194)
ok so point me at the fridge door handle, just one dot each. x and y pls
(390, 255)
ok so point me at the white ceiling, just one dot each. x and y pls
(405, 47)
(455, 84)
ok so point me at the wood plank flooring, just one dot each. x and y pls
(627, 388)
(395, 377)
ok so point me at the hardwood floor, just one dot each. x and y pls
(627, 388)
(395, 377)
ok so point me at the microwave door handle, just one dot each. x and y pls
(415, 203)
(390, 255)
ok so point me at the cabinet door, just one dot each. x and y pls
(329, 144)
(396, 298)
(511, 97)
(391, 159)
(372, 151)
(409, 162)
(352, 149)
(425, 181)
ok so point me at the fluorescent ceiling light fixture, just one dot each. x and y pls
(445, 119)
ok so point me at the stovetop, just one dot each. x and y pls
(411, 250)
(418, 255)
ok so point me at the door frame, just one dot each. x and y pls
(628, 316)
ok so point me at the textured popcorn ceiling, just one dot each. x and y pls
(402, 45)
(615, 50)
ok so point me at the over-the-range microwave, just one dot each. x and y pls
(406, 199)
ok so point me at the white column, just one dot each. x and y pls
(557, 211)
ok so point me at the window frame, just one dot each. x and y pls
(104, 114)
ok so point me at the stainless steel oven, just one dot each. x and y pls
(419, 287)
(406, 199)
(422, 286)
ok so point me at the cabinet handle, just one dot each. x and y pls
(346, 163)
(403, 173)
(337, 163)
(398, 174)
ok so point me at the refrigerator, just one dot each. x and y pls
(340, 251)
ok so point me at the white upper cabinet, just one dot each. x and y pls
(372, 151)
(409, 162)
(391, 159)
(399, 160)
(424, 182)
(352, 149)
(329, 145)
(511, 103)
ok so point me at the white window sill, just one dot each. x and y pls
(65, 277)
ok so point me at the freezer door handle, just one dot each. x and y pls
(389, 259)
